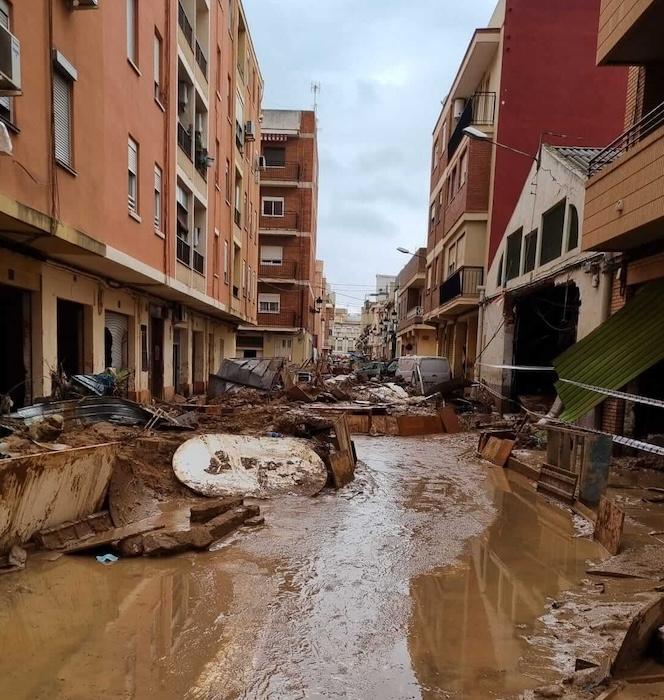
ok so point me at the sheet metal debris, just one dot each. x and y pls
(259, 373)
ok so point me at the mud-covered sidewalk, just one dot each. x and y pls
(425, 577)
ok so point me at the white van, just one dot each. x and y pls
(423, 373)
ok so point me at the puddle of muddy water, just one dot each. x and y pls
(422, 579)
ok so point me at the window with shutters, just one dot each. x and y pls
(158, 207)
(272, 255)
(157, 67)
(273, 206)
(132, 31)
(6, 103)
(62, 108)
(250, 284)
(132, 176)
(269, 303)
(553, 222)
(226, 262)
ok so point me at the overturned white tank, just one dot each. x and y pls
(229, 465)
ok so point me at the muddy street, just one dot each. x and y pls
(421, 579)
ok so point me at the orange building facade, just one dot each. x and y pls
(129, 202)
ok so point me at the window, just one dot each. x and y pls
(230, 15)
(530, 254)
(217, 163)
(269, 303)
(157, 67)
(132, 175)
(273, 206)
(572, 228)
(132, 31)
(451, 260)
(244, 277)
(239, 122)
(6, 103)
(229, 98)
(272, 255)
(227, 182)
(463, 170)
(435, 154)
(275, 156)
(429, 277)
(249, 278)
(238, 199)
(245, 210)
(157, 198)
(226, 262)
(513, 268)
(219, 72)
(432, 216)
(552, 233)
(499, 276)
(62, 118)
(145, 365)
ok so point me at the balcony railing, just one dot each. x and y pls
(644, 127)
(465, 282)
(201, 59)
(283, 319)
(185, 25)
(183, 251)
(480, 111)
(185, 141)
(287, 270)
(288, 172)
(199, 262)
(287, 222)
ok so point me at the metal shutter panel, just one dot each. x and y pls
(62, 118)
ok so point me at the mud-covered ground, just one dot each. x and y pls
(425, 578)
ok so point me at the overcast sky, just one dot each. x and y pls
(384, 66)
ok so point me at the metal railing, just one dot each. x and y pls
(287, 319)
(480, 111)
(185, 25)
(185, 141)
(465, 282)
(199, 262)
(288, 172)
(652, 121)
(183, 251)
(286, 270)
(287, 222)
(201, 59)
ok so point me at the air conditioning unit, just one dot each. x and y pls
(10, 64)
(458, 107)
(183, 93)
(84, 4)
(250, 131)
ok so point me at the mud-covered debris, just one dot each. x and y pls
(46, 428)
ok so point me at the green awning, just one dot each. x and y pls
(615, 353)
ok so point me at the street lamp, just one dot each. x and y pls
(478, 135)
(408, 252)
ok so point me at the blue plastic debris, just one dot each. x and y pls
(107, 558)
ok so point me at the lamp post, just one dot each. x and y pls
(478, 135)
(408, 252)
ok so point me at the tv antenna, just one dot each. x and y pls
(315, 88)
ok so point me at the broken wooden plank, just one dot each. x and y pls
(497, 451)
(342, 434)
(58, 536)
(114, 535)
(341, 465)
(520, 467)
(449, 420)
(358, 423)
(638, 637)
(609, 525)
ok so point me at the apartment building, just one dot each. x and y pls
(290, 299)
(414, 337)
(624, 214)
(129, 203)
(346, 331)
(528, 77)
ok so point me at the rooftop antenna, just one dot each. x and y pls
(315, 88)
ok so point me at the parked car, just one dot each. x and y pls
(391, 369)
(369, 370)
(423, 373)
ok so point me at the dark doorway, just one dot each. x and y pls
(545, 325)
(157, 357)
(648, 420)
(15, 348)
(70, 337)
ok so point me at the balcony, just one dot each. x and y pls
(287, 270)
(460, 291)
(413, 318)
(201, 59)
(288, 222)
(185, 25)
(630, 32)
(199, 263)
(480, 111)
(183, 251)
(281, 319)
(185, 141)
(625, 193)
(288, 172)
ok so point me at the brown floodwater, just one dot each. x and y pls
(421, 579)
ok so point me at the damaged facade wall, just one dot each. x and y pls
(47, 283)
(555, 181)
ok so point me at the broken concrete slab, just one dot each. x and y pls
(202, 511)
(228, 465)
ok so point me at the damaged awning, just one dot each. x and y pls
(621, 349)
